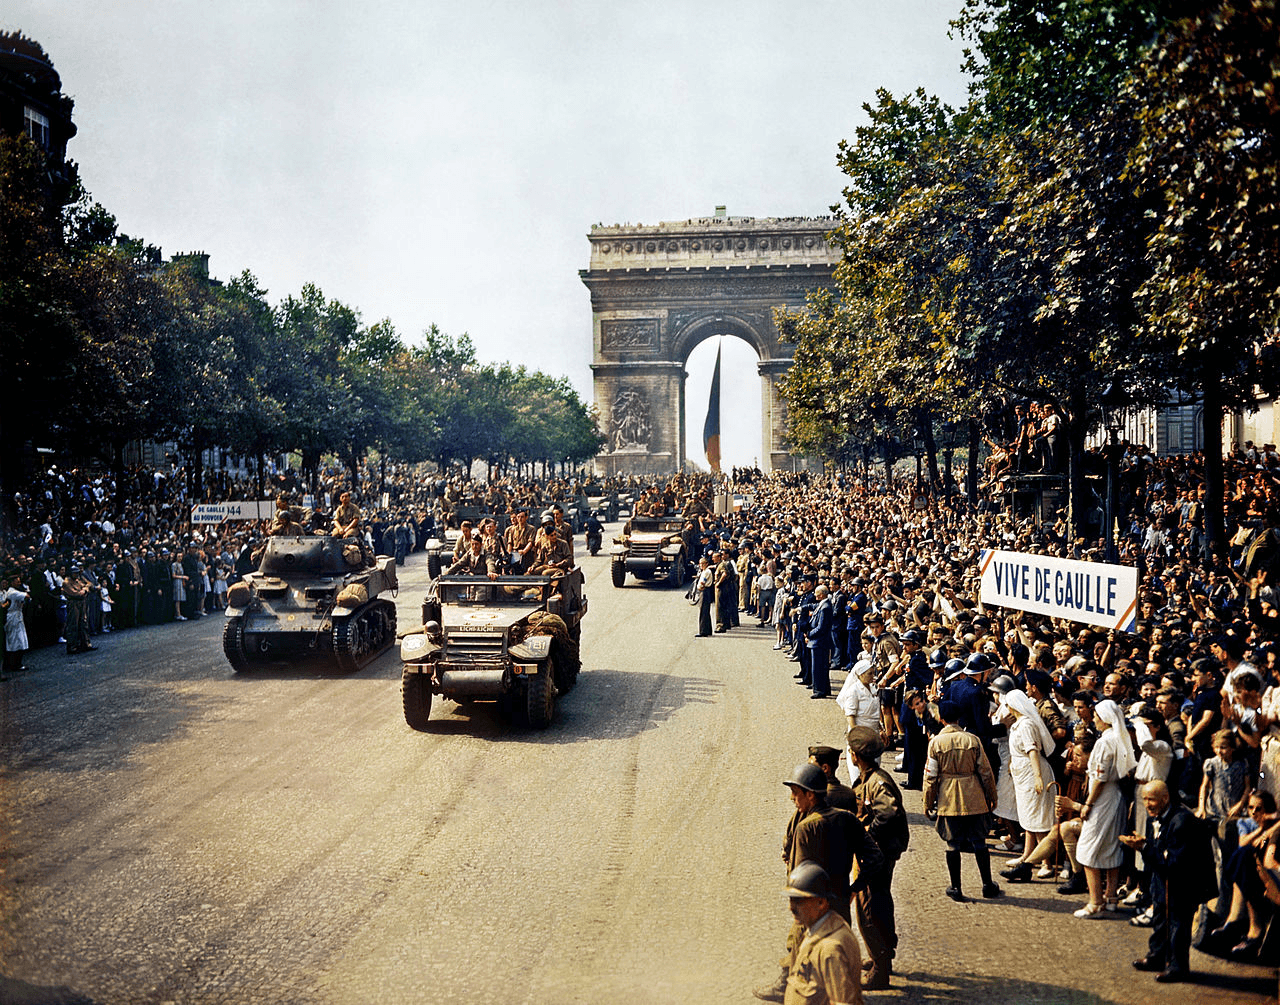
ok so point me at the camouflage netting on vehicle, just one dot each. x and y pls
(352, 596)
(546, 623)
(566, 649)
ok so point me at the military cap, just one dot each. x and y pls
(825, 755)
(865, 742)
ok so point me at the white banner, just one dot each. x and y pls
(1089, 592)
(239, 510)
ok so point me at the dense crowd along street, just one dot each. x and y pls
(872, 600)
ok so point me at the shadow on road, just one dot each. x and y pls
(926, 987)
(16, 992)
(606, 704)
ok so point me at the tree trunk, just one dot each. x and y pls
(117, 470)
(198, 441)
(930, 447)
(971, 469)
(353, 465)
(1214, 525)
(1077, 426)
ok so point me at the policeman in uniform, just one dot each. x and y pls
(805, 605)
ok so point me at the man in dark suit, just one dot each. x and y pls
(819, 642)
(1182, 878)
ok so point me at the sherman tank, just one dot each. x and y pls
(314, 598)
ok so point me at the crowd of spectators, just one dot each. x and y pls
(1099, 742)
(1102, 743)
(85, 554)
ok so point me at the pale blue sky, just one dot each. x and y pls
(433, 162)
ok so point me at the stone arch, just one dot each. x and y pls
(713, 323)
(657, 292)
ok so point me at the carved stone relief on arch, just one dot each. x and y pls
(631, 428)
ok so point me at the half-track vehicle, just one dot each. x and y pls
(604, 504)
(313, 597)
(653, 549)
(439, 549)
(513, 639)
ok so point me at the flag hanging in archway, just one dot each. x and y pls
(711, 428)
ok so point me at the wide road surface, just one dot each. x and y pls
(174, 832)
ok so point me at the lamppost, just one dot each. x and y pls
(1114, 401)
(917, 445)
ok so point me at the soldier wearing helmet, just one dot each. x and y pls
(831, 838)
(825, 965)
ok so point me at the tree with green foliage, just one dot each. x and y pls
(1207, 110)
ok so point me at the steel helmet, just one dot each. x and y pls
(808, 879)
(1004, 684)
(809, 777)
(977, 663)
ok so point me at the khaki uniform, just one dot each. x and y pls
(473, 563)
(958, 778)
(548, 555)
(826, 967)
(517, 538)
(286, 523)
(882, 813)
(346, 520)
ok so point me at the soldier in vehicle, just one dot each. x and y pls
(518, 541)
(475, 561)
(287, 522)
(346, 518)
(564, 531)
(551, 555)
(464, 541)
(488, 533)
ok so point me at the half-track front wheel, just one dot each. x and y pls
(433, 565)
(233, 644)
(566, 658)
(675, 575)
(415, 692)
(619, 571)
(540, 697)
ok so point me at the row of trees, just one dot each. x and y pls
(102, 344)
(1101, 216)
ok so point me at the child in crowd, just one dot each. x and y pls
(106, 608)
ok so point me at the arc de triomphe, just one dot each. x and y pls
(657, 291)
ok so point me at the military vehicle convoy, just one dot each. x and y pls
(313, 597)
(439, 549)
(513, 639)
(653, 549)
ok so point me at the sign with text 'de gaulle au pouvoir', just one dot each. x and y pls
(1089, 592)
